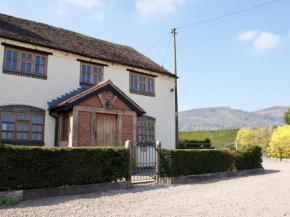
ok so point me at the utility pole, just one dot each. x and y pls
(173, 32)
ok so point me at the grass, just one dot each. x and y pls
(7, 202)
(215, 136)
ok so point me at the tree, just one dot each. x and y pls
(287, 117)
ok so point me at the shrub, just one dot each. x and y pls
(260, 136)
(215, 136)
(7, 202)
(189, 162)
(33, 167)
(248, 157)
(287, 117)
(280, 143)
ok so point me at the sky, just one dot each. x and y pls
(240, 61)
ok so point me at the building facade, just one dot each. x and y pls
(60, 88)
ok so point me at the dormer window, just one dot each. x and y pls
(91, 74)
(22, 62)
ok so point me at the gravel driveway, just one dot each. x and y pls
(260, 195)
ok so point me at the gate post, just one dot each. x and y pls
(128, 144)
(157, 158)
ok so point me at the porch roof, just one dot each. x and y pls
(75, 97)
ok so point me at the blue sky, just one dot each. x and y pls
(241, 62)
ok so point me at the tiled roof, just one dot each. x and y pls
(70, 99)
(52, 37)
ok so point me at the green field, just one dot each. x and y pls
(215, 136)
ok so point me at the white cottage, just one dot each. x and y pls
(62, 88)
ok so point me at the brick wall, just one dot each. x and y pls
(84, 129)
(127, 128)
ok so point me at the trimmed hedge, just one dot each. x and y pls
(33, 167)
(190, 162)
(248, 157)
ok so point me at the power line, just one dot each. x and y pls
(157, 43)
(227, 15)
(166, 51)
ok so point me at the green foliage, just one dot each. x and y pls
(34, 167)
(287, 117)
(260, 136)
(215, 136)
(280, 143)
(248, 157)
(189, 162)
(7, 202)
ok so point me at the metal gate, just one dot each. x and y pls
(144, 161)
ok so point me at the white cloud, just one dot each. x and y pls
(98, 16)
(149, 8)
(248, 35)
(265, 41)
(86, 3)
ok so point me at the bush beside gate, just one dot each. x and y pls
(192, 162)
(33, 167)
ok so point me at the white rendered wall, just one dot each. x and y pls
(63, 74)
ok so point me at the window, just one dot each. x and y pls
(21, 127)
(25, 62)
(91, 74)
(64, 127)
(142, 84)
(146, 131)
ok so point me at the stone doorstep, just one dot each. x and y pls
(33, 194)
(208, 176)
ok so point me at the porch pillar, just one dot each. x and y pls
(75, 128)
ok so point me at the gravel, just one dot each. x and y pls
(261, 195)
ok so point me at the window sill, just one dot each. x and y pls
(142, 93)
(24, 74)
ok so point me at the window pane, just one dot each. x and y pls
(33, 136)
(8, 54)
(20, 117)
(135, 86)
(4, 127)
(95, 79)
(18, 135)
(33, 128)
(10, 135)
(39, 128)
(40, 119)
(42, 69)
(37, 59)
(14, 64)
(11, 117)
(19, 127)
(39, 136)
(148, 80)
(5, 117)
(99, 79)
(148, 87)
(83, 76)
(22, 68)
(144, 87)
(36, 69)
(23, 55)
(88, 69)
(34, 119)
(99, 70)
(11, 127)
(95, 69)
(15, 54)
(43, 60)
(88, 77)
(83, 68)
(26, 117)
(25, 127)
(8, 64)
(29, 56)
(4, 136)
(25, 136)
(28, 67)
(140, 87)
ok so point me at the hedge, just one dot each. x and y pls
(33, 167)
(248, 157)
(190, 162)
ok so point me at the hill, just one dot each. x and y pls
(218, 118)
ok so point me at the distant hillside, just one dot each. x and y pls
(218, 118)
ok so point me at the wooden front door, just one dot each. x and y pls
(106, 130)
